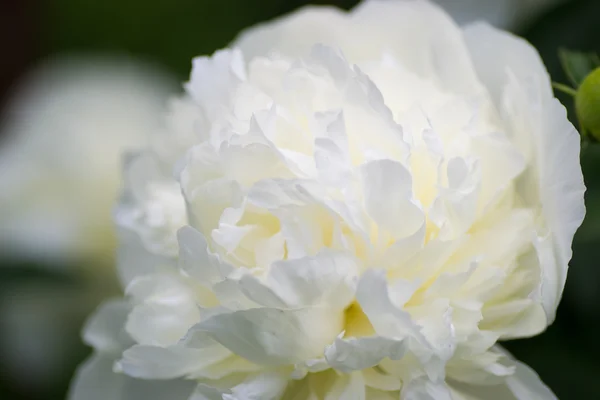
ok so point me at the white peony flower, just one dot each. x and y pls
(345, 206)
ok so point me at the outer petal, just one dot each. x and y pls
(511, 68)
(324, 25)
(134, 259)
(166, 307)
(420, 34)
(213, 79)
(105, 329)
(151, 205)
(494, 52)
(417, 32)
(524, 384)
(562, 194)
(95, 380)
(149, 362)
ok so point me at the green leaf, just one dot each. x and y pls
(578, 65)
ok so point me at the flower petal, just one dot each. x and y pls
(524, 384)
(95, 380)
(387, 187)
(265, 386)
(213, 79)
(521, 81)
(354, 354)
(424, 389)
(151, 362)
(104, 331)
(329, 278)
(424, 38)
(196, 259)
(270, 336)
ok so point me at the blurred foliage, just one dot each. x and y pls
(167, 31)
(577, 65)
(171, 32)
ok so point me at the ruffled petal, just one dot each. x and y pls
(270, 336)
(520, 87)
(355, 354)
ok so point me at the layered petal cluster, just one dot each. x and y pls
(349, 206)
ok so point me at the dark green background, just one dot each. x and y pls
(171, 32)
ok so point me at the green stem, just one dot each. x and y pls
(564, 88)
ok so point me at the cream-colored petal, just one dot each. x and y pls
(520, 86)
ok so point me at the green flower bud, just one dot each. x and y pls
(587, 104)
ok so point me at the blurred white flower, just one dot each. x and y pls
(363, 205)
(63, 135)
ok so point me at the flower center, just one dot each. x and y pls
(356, 322)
